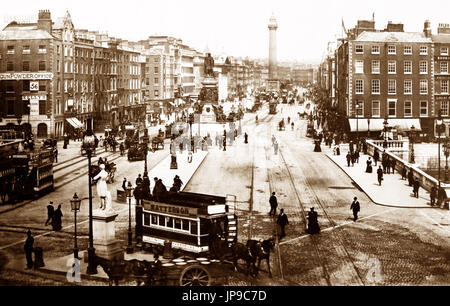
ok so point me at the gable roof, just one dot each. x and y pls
(23, 32)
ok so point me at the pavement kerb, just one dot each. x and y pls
(199, 165)
(377, 203)
(82, 275)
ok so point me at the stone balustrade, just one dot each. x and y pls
(398, 145)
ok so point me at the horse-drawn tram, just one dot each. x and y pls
(190, 222)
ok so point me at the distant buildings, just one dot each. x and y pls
(390, 74)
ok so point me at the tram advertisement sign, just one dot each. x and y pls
(170, 209)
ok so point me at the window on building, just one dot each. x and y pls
(359, 66)
(392, 67)
(41, 65)
(407, 87)
(9, 66)
(359, 49)
(392, 86)
(42, 107)
(444, 51)
(10, 104)
(42, 49)
(375, 108)
(25, 107)
(359, 86)
(423, 108)
(423, 86)
(156, 70)
(156, 93)
(407, 68)
(359, 108)
(444, 108)
(26, 49)
(444, 87)
(26, 85)
(58, 66)
(423, 67)
(423, 50)
(444, 67)
(408, 108)
(392, 108)
(375, 49)
(375, 67)
(392, 49)
(42, 86)
(375, 87)
(58, 49)
(10, 50)
(58, 88)
(10, 86)
(407, 50)
(25, 66)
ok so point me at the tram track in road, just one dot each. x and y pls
(351, 273)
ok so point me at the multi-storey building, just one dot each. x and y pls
(386, 74)
(29, 75)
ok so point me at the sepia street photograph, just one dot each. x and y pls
(230, 144)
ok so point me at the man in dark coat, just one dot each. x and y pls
(177, 183)
(384, 164)
(355, 208)
(416, 186)
(313, 224)
(56, 220)
(245, 137)
(124, 184)
(138, 180)
(410, 178)
(349, 158)
(380, 175)
(273, 204)
(393, 162)
(282, 221)
(50, 212)
(433, 195)
(376, 157)
(404, 173)
(28, 247)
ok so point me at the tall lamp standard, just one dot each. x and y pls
(385, 124)
(146, 140)
(439, 126)
(130, 233)
(411, 145)
(191, 121)
(75, 205)
(357, 132)
(446, 153)
(368, 128)
(89, 146)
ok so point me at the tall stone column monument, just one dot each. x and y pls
(273, 82)
(209, 94)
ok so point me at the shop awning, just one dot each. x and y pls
(74, 122)
(376, 124)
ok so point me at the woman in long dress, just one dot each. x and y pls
(101, 185)
(369, 165)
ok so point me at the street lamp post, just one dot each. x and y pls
(75, 205)
(439, 124)
(368, 128)
(146, 140)
(89, 145)
(191, 121)
(385, 124)
(357, 132)
(446, 153)
(130, 233)
(411, 145)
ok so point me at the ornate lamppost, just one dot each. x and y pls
(368, 127)
(385, 129)
(411, 144)
(357, 132)
(446, 153)
(439, 126)
(89, 146)
(146, 140)
(75, 205)
(191, 121)
(129, 192)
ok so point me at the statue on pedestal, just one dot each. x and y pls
(209, 65)
(102, 188)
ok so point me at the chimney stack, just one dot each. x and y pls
(44, 21)
(427, 29)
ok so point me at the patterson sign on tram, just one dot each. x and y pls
(170, 209)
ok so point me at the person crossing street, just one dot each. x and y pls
(355, 208)
(273, 204)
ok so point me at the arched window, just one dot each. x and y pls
(42, 130)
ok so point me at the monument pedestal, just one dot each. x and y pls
(209, 96)
(105, 243)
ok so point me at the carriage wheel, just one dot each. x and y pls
(195, 275)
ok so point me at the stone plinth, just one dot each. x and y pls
(209, 96)
(105, 243)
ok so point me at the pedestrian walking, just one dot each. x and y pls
(442, 197)
(313, 224)
(177, 183)
(57, 219)
(404, 173)
(124, 184)
(28, 247)
(353, 158)
(55, 152)
(273, 204)
(245, 137)
(349, 158)
(393, 163)
(416, 186)
(224, 144)
(384, 164)
(433, 194)
(376, 157)
(282, 221)
(50, 212)
(138, 180)
(369, 165)
(380, 175)
(357, 156)
(275, 147)
(410, 177)
(355, 208)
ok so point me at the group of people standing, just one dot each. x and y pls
(54, 217)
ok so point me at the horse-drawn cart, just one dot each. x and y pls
(157, 143)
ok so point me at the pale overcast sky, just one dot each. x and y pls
(236, 27)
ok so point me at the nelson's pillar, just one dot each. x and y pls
(273, 84)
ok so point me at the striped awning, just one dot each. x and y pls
(376, 124)
(75, 122)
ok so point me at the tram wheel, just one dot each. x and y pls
(195, 275)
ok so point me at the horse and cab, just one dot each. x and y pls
(137, 151)
(157, 143)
